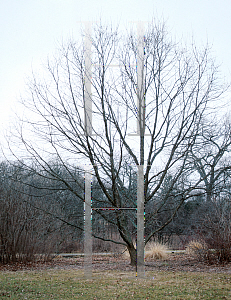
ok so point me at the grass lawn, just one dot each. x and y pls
(70, 284)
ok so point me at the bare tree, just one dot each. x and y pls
(177, 87)
(210, 155)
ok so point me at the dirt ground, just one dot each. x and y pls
(174, 263)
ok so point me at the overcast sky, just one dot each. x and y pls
(30, 30)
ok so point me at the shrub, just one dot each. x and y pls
(24, 230)
(215, 230)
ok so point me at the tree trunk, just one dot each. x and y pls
(132, 252)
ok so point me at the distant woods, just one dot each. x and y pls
(40, 216)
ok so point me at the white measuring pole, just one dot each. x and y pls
(87, 81)
(140, 131)
(88, 132)
(87, 225)
(140, 79)
(140, 221)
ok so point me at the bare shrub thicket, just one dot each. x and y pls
(24, 230)
(21, 230)
(215, 231)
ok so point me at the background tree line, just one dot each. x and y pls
(41, 215)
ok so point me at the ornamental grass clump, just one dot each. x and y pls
(155, 250)
(195, 247)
